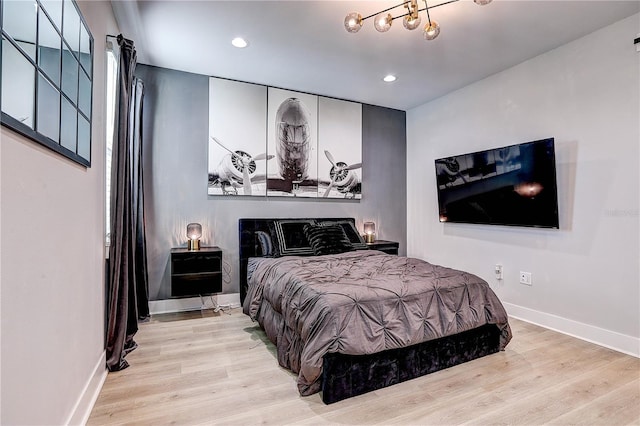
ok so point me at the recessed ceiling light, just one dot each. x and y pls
(239, 42)
(389, 78)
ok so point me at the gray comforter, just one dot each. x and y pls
(359, 303)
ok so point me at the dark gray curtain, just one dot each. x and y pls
(128, 286)
(137, 187)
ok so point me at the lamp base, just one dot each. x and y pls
(193, 245)
(369, 238)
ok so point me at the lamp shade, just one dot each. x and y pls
(353, 22)
(194, 231)
(431, 30)
(382, 22)
(369, 228)
(411, 22)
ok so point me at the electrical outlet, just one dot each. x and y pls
(498, 271)
(525, 278)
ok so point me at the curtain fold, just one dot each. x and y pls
(128, 287)
(141, 274)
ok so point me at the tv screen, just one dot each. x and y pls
(514, 185)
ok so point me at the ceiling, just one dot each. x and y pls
(302, 45)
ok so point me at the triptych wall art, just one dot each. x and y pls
(265, 141)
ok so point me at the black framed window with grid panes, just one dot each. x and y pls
(47, 75)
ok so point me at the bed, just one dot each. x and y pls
(349, 320)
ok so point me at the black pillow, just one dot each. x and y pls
(327, 239)
(289, 238)
(351, 232)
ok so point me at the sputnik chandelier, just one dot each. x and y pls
(411, 19)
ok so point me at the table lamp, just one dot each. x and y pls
(194, 232)
(369, 232)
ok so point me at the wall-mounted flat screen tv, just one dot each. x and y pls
(513, 185)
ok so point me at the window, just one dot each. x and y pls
(46, 75)
(112, 79)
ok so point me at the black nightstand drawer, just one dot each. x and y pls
(188, 263)
(196, 272)
(389, 247)
(196, 284)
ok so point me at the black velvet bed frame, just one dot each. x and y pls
(345, 376)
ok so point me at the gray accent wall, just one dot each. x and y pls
(175, 126)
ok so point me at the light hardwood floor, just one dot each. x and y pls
(206, 368)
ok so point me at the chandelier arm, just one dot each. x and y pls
(386, 10)
(437, 5)
(426, 7)
(401, 16)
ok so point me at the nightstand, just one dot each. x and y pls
(389, 247)
(196, 272)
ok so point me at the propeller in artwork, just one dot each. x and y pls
(338, 172)
(245, 163)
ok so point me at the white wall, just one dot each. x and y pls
(586, 94)
(52, 260)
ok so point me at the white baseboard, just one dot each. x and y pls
(82, 409)
(609, 339)
(193, 303)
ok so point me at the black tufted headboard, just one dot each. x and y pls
(250, 247)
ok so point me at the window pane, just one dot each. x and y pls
(68, 125)
(85, 49)
(29, 48)
(54, 9)
(18, 88)
(19, 21)
(84, 95)
(48, 109)
(70, 75)
(84, 138)
(49, 49)
(71, 26)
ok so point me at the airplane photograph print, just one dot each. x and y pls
(237, 142)
(309, 146)
(292, 135)
(340, 149)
